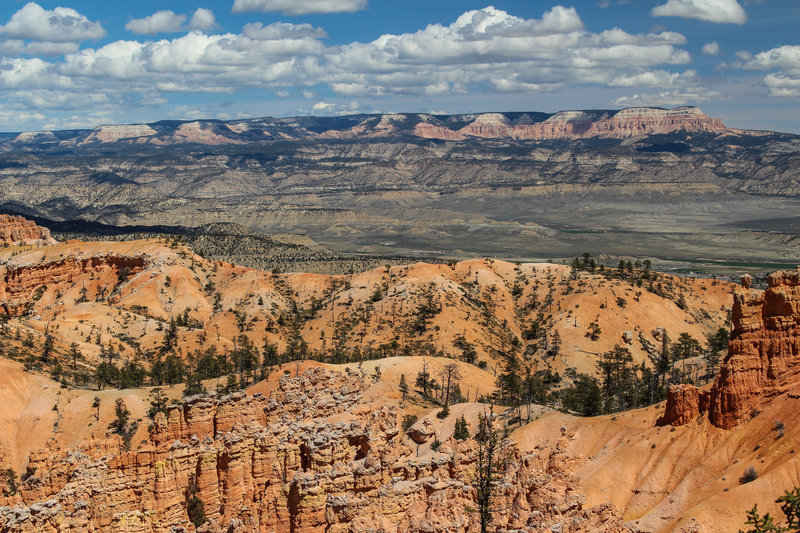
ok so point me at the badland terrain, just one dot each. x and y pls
(348, 324)
(671, 184)
(147, 388)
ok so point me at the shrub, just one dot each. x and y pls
(750, 474)
(408, 421)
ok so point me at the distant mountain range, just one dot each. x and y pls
(566, 125)
(500, 183)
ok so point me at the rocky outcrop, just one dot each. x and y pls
(316, 456)
(763, 358)
(16, 230)
(21, 286)
(573, 125)
(113, 133)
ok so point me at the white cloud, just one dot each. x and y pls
(282, 30)
(299, 7)
(692, 95)
(202, 19)
(169, 22)
(654, 78)
(712, 49)
(158, 22)
(722, 11)
(508, 53)
(486, 50)
(783, 59)
(14, 47)
(326, 108)
(59, 25)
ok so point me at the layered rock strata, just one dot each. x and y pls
(315, 456)
(763, 358)
(16, 230)
(22, 285)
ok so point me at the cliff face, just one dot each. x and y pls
(23, 285)
(763, 358)
(572, 125)
(16, 230)
(316, 456)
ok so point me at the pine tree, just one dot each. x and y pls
(403, 386)
(424, 378)
(461, 431)
(120, 423)
(96, 406)
(11, 482)
(193, 385)
(487, 470)
(194, 505)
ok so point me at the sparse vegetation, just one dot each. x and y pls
(750, 474)
(790, 506)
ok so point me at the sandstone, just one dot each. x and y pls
(283, 464)
(16, 230)
(763, 359)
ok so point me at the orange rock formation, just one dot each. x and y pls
(763, 358)
(15, 230)
(313, 457)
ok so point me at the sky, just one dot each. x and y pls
(81, 63)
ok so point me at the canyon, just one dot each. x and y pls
(323, 445)
(665, 183)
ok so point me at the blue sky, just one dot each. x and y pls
(80, 63)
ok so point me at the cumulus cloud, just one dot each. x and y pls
(169, 22)
(332, 109)
(482, 50)
(691, 95)
(722, 11)
(158, 22)
(785, 61)
(490, 46)
(14, 47)
(282, 30)
(59, 25)
(299, 7)
(202, 19)
(711, 49)
(654, 78)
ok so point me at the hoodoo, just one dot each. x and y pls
(763, 358)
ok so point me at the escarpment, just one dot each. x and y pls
(16, 230)
(763, 358)
(24, 284)
(317, 456)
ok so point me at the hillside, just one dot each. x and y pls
(133, 297)
(288, 448)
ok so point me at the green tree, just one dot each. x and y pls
(194, 505)
(718, 342)
(96, 407)
(170, 337)
(583, 397)
(619, 379)
(488, 467)
(74, 354)
(47, 348)
(11, 482)
(158, 403)
(403, 386)
(461, 431)
(193, 385)
(121, 417)
(790, 506)
(424, 378)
